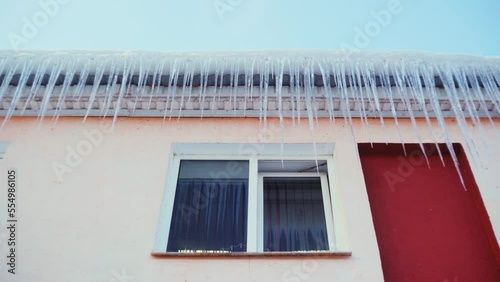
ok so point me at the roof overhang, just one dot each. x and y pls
(260, 84)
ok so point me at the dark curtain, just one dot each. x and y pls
(209, 215)
(294, 218)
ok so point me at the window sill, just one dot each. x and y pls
(243, 254)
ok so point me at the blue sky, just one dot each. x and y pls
(445, 26)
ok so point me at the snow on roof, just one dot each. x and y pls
(136, 60)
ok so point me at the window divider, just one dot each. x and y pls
(252, 221)
(260, 212)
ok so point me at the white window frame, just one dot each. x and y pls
(253, 153)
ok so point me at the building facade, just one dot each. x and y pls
(403, 147)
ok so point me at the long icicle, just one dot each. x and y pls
(439, 116)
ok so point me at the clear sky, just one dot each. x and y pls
(445, 26)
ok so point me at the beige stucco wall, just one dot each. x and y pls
(99, 222)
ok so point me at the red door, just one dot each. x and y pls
(428, 227)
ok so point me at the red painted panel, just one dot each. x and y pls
(428, 227)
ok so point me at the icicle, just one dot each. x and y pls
(297, 91)
(291, 88)
(144, 69)
(249, 66)
(174, 79)
(143, 84)
(494, 84)
(365, 78)
(386, 83)
(279, 86)
(129, 83)
(439, 116)
(110, 88)
(266, 74)
(203, 84)
(54, 75)
(469, 103)
(418, 95)
(95, 86)
(315, 105)
(68, 79)
(252, 72)
(308, 89)
(234, 82)
(37, 82)
(314, 92)
(231, 82)
(157, 77)
(8, 79)
(490, 88)
(358, 89)
(341, 82)
(369, 75)
(218, 73)
(172, 86)
(369, 80)
(353, 90)
(123, 87)
(190, 80)
(5, 84)
(447, 76)
(401, 84)
(84, 74)
(156, 89)
(187, 83)
(137, 91)
(325, 74)
(3, 64)
(25, 74)
(222, 68)
(480, 95)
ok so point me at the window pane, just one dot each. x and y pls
(294, 218)
(210, 207)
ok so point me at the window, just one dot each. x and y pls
(210, 211)
(297, 214)
(230, 198)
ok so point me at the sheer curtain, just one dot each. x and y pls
(209, 215)
(294, 218)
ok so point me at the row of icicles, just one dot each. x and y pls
(412, 82)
